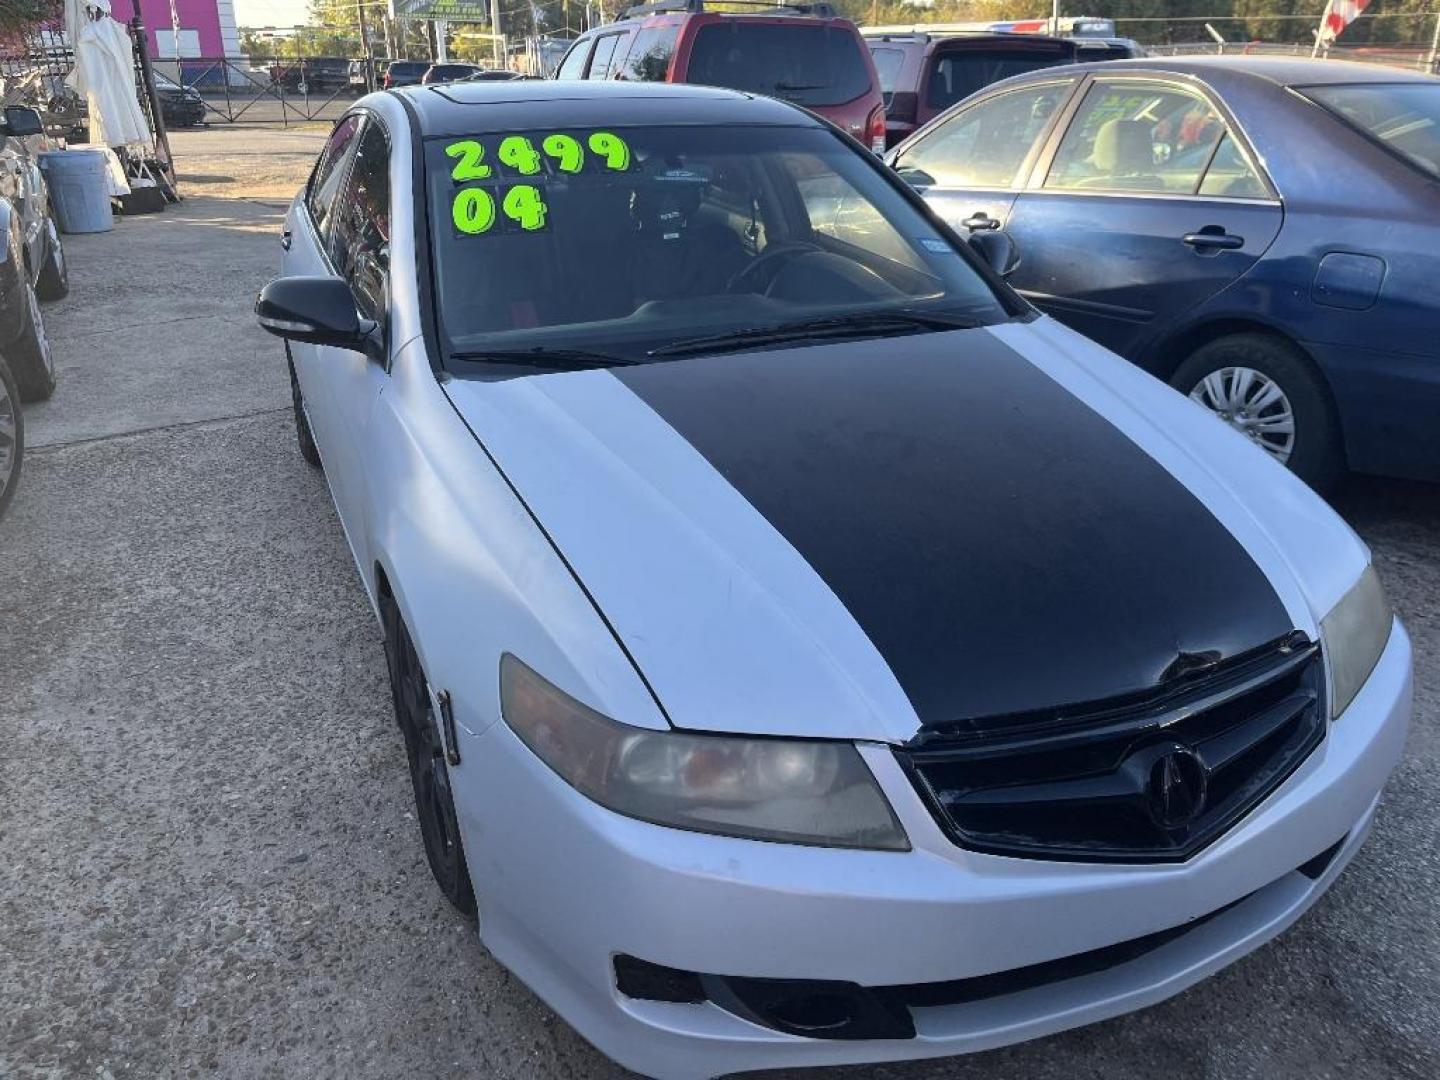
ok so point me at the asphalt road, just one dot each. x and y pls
(208, 861)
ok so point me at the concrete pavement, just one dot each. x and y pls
(209, 864)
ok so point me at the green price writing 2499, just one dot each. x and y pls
(474, 210)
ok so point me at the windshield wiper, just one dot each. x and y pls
(539, 356)
(859, 324)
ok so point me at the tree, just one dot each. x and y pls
(18, 16)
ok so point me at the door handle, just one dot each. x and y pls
(980, 220)
(285, 240)
(1218, 241)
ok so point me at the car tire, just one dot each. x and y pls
(31, 363)
(54, 281)
(429, 771)
(12, 438)
(303, 435)
(1240, 370)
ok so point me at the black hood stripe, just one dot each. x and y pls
(1002, 545)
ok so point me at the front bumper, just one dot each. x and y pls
(565, 886)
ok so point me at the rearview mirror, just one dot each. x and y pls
(21, 121)
(317, 311)
(998, 251)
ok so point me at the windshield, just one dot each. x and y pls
(1403, 116)
(631, 240)
(808, 64)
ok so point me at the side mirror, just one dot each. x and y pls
(21, 121)
(998, 251)
(318, 311)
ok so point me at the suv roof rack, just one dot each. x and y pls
(803, 7)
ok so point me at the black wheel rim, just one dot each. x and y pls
(429, 775)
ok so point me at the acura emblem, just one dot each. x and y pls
(1176, 787)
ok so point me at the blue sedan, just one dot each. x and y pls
(1264, 234)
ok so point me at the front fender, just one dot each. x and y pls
(473, 574)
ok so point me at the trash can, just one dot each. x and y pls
(79, 189)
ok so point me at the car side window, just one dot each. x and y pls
(1141, 137)
(650, 53)
(604, 53)
(985, 145)
(359, 246)
(573, 66)
(330, 170)
(1231, 176)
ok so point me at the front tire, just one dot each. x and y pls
(29, 356)
(1268, 391)
(54, 282)
(429, 773)
(303, 435)
(12, 438)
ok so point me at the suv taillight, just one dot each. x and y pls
(875, 130)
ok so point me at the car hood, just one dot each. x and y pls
(866, 539)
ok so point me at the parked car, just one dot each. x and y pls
(800, 52)
(180, 106)
(359, 84)
(12, 437)
(496, 76)
(804, 652)
(1092, 49)
(922, 75)
(33, 264)
(316, 76)
(450, 72)
(405, 73)
(1260, 232)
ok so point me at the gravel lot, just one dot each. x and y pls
(208, 863)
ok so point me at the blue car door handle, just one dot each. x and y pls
(1216, 240)
(980, 220)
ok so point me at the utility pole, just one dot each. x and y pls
(1435, 47)
(495, 29)
(365, 47)
(1054, 17)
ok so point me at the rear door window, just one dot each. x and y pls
(954, 76)
(984, 145)
(1137, 136)
(650, 52)
(809, 65)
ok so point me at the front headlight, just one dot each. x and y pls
(788, 790)
(1355, 633)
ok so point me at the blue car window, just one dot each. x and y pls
(1231, 176)
(1134, 136)
(984, 146)
(1403, 117)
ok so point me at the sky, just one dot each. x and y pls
(271, 12)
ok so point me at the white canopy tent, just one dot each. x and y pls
(105, 74)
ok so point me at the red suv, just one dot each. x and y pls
(800, 52)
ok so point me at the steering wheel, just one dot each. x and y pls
(768, 259)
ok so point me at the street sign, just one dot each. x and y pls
(462, 11)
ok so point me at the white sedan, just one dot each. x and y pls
(806, 653)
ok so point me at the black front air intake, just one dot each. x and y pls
(1142, 780)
